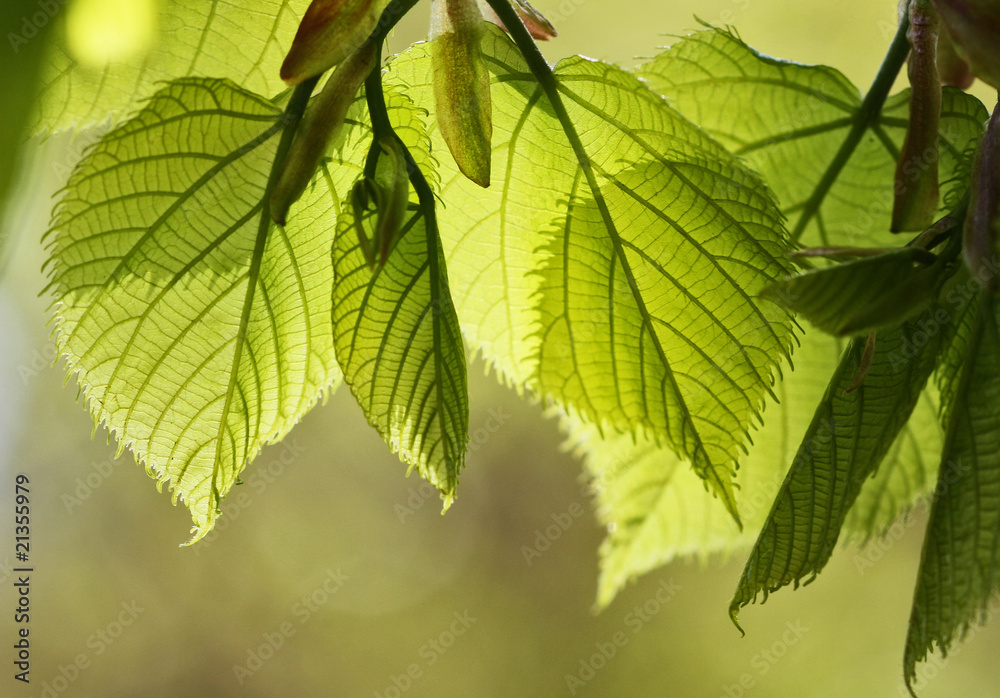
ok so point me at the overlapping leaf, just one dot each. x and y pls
(850, 434)
(397, 338)
(198, 331)
(242, 40)
(789, 120)
(649, 315)
(793, 120)
(657, 509)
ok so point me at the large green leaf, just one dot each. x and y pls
(198, 331)
(789, 120)
(959, 572)
(398, 341)
(242, 40)
(850, 434)
(649, 316)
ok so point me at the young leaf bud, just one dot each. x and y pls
(535, 22)
(330, 31)
(462, 86)
(974, 26)
(982, 222)
(322, 121)
(394, 182)
(916, 182)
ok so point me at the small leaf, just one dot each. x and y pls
(958, 568)
(462, 86)
(862, 296)
(400, 347)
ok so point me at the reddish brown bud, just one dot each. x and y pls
(982, 222)
(330, 31)
(535, 22)
(952, 68)
(974, 26)
(916, 181)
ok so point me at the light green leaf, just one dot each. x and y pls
(958, 568)
(242, 40)
(863, 295)
(398, 341)
(197, 331)
(849, 436)
(657, 509)
(789, 120)
(649, 315)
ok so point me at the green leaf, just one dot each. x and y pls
(958, 568)
(398, 341)
(848, 438)
(864, 295)
(242, 40)
(792, 121)
(649, 309)
(197, 331)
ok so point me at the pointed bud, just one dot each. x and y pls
(462, 86)
(330, 31)
(384, 197)
(535, 22)
(974, 26)
(982, 222)
(322, 121)
(952, 67)
(916, 182)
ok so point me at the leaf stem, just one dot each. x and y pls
(866, 116)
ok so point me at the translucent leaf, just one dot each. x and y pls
(398, 340)
(657, 509)
(958, 569)
(197, 331)
(242, 40)
(793, 120)
(850, 434)
(789, 121)
(649, 314)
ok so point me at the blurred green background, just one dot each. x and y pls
(331, 507)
